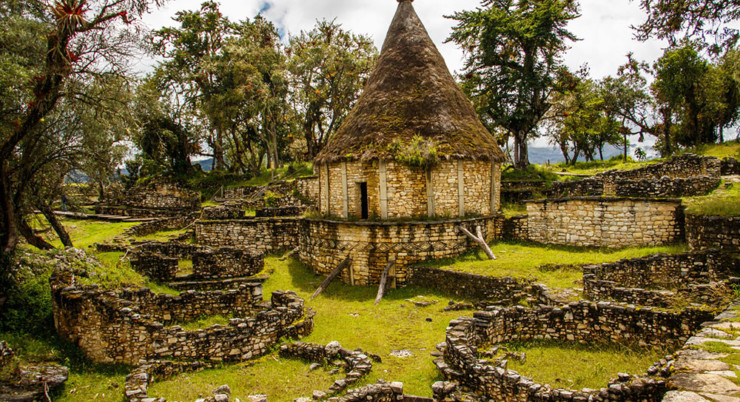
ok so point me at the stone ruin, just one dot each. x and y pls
(681, 176)
(154, 199)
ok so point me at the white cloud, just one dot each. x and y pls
(604, 26)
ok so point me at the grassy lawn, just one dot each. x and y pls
(723, 201)
(84, 233)
(345, 314)
(591, 168)
(575, 366)
(524, 261)
(730, 149)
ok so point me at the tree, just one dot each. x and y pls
(514, 51)
(190, 54)
(691, 19)
(49, 55)
(329, 68)
(583, 120)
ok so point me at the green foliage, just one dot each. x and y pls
(700, 20)
(514, 61)
(329, 67)
(724, 201)
(577, 366)
(419, 153)
(270, 199)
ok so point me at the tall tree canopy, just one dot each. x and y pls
(53, 54)
(329, 67)
(703, 20)
(514, 50)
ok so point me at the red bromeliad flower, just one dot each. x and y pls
(73, 58)
(70, 11)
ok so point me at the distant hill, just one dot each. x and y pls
(540, 155)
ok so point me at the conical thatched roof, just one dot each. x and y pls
(411, 92)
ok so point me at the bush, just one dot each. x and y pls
(419, 153)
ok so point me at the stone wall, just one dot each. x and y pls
(155, 266)
(223, 212)
(518, 191)
(282, 211)
(662, 279)
(407, 189)
(700, 375)
(680, 166)
(470, 286)
(649, 187)
(226, 262)
(324, 244)
(309, 187)
(159, 225)
(730, 167)
(125, 326)
(704, 232)
(575, 322)
(162, 196)
(261, 235)
(516, 228)
(605, 222)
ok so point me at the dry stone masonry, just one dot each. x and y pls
(681, 176)
(324, 244)
(605, 222)
(127, 325)
(700, 375)
(723, 232)
(263, 235)
(576, 322)
(661, 280)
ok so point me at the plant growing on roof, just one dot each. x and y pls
(419, 153)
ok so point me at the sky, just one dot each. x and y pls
(604, 25)
(604, 28)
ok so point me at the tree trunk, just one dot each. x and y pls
(331, 277)
(8, 221)
(58, 227)
(667, 123)
(625, 147)
(31, 238)
(521, 153)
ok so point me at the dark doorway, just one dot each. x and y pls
(363, 200)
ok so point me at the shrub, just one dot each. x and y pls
(419, 153)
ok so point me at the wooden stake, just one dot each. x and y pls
(331, 277)
(383, 280)
(480, 240)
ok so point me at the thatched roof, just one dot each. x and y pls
(411, 92)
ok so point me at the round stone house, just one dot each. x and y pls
(413, 148)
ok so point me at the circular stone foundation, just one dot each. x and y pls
(324, 244)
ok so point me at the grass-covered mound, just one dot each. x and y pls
(555, 266)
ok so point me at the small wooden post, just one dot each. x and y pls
(480, 240)
(331, 277)
(383, 280)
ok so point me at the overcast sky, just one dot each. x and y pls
(604, 25)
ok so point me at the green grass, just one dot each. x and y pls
(593, 167)
(280, 379)
(205, 322)
(84, 233)
(345, 314)
(162, 236)
(531, 173)
(722, 202)
(730, 149)
(523, 261)
(576, 366)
